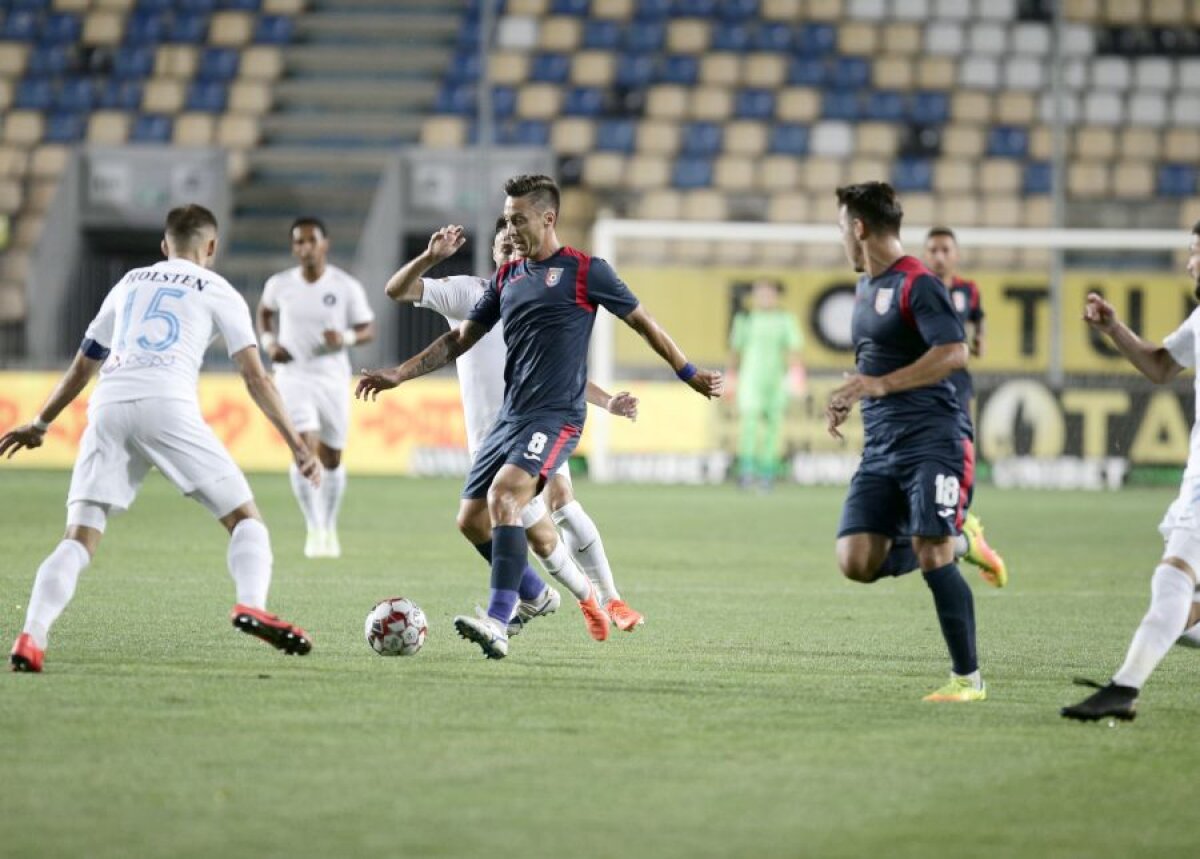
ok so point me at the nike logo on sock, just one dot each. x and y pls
(583, 549)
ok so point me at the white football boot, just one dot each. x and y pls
(527, 610)
(485, 631)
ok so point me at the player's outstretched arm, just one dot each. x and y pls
(622, 404)
(70, 386)
(1153, 362)
(706, 382)
(405, 285)
(266, 396)
(438, 354)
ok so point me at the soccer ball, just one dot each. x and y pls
(396, 627)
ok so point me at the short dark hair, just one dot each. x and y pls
(941, 231)
(501, 225)
(186, 223)
(544, 190)
(1196, 228)
(308, 221)
(873, 203)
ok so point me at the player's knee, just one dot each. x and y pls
(933, 554)
(330, 457)
(857, 566)
(559, 494)
(473, 523)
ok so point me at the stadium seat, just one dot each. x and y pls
(1176, 180)
(1000, 176)
(570, 7)
(34, 94)
(980, 72)
(788, 207)
(788, 139)
(885, 106)
(701, 139)
(769, 36)
(562, 35)
(19, 27)
(1103, 108)
(688, 36)
(691, 173)
(194, 129)
(635, 70)
(895, 72)
(108, 127)
(1088, 180)
(187, 29)
(207, 96)
(765, 71)
(64, 127)
(859, 39)
(710, 103)
(1016, 108)
(616, 135)
(544, 101)
(60, 29)
(666, 102)
(954, 177)
(880, 139)
(218, 64)
(1111, 73)
(911, 10)
(47, 61)
(1024, 73)
(754, 104)
(747, 138)
(549, 68)
(150, 128)
(936, 73)
(963, 141)
(678, 69)
(1007, 142)
(816, 40)
(602, 35)
(912, 174)
(807, 71)
(731, 11)
(271, 30)
(929, 108)
(75, 95)
(850, 73)
(797, 104)
(249, 97)
(1153, 73)
(946, 38)
(841, 104)
(721, 69)
(103, 28)
(133, 62)
(1133, 180)
(1148, 108)
(655, 137)
(988, 39)
(645, 37)
(572, 136)
(1031, 38)
(1141, 144)
(145, 28)
(646, 171)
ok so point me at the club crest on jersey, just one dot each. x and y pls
(553, 276)
(960, 302)
(329, 299)
(883, 300)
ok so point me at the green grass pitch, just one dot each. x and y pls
(768, 708)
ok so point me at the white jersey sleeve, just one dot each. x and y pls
(1181, 343)
(358, 309)
(231, 314)
(270, 294)
(453, 297)
(100, 331)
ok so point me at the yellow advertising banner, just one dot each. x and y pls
(697, 306)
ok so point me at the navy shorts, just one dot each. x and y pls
(537, 445)
(925, 493)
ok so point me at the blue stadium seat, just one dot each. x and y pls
(155, 5)
(1007, 141)
(277, 30)
(754, 104)
(504, 100)
(550, 68)
(635, 70)
(47, 61)
(850, 73)
(151, 128)
(218, 64)
(841, 104)
(788, 138)
(602, 36)
(240, 5)
(19, 27)
(456, 98)
(694, 8)
(702, 138)
(29, 5)
(884, 105)
(772, 37)
(75, 95)
(912, 174)
(1037, 178)
(60, 29)
(143, 28)
(644, 36)
(578, 8)
(207, 96)
(464, 67)
(524, 132)
(807, 71)
(616, 135)
(679, 69)
(583, 101)
(133, 62)
(1176, 180)
(692, 173)
(468, 34)
(816, 40)
(652, 10)
(121, 95)
(737, 10)
(34, 94)
(64, 127)
(732, 37)
(930, 108)
(188, 29)
(196, 7)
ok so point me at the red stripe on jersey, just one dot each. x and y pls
(568, 432)
(912, 268)
(583, 265)
(502, 275)
(964, 490)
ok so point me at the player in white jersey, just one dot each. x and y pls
(148, 342)
(481, 381)
(1174, 614)
(308, 317)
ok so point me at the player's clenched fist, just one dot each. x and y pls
(710, 383)
(1098, 313)
(374, 381)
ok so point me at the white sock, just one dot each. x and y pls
(329, 496)
(54, 587)
(306, 497)
(560, 565)
(249, 560)
(583, 541)
(1171, 592)
(975, 677)
(960, 546)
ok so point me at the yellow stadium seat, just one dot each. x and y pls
(1000, 176)
(1095, 143)
(1189, 213)
(789, 207)
(572, 136)
(535, 8)
(1038, 212)
(780, 254)
(580, 202)
(767, 71)
(1001, 210)
(706, 205)
(108, 127)
(49, 161)
(6, 94)
(822, 256)
(1016, 108)
(539, 101)
(14, 265)
(869, 170)
(12, 301)
(714, 104)
(961, 210)
(746, 137)
(1085, 11)
(194, 129)
(118, 5)
(779, 173)
(798, 104)
(1088, 179)
(737, 253)
(613, 10)
(963, 141)
(604, 170)
(444, 132)
(781, 10)
(823, 174)
(734, 173)
(560, 33)
(1041, 143)
(644, 251)
(1034, 259)
(918, 209)
(953, 177)
(1182, 144)
(690, 252)
(11, 196)
(877, 138)
(13, 161)
(644, 172)
(237, 165)
(667, 101)
(509, 68)
(825, 10)
(75, 6)
(971, 106)
(657, 137)
(936, 73)
(1122, 12)
(902, 38)
(176, 61)
(858, 37)
(721, 69)
(1167, 13)
(593, 68)
(1133, 180)
(892, 72)
(12, 59)
(261, 62)
(103, 28)
(231, 29)
(251, 97)
(282, 7)
(29, 228)
(997, 258)
(23, 127)
(237, 131)
(688, 36)
(1141, 144)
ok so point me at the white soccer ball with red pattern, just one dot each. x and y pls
(396, 627)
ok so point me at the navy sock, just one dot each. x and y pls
(531, 586)
(956, 613)
(508, 565)
(901, 559)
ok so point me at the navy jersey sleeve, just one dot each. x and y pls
(975, 308)
(486, 311)
(930, 309)
(608, 290)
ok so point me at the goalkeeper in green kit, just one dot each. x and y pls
(764, 368)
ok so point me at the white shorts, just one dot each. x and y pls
(318, 403)
(1180, 527)
(123, 440)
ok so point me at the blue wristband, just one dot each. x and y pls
(686, 371)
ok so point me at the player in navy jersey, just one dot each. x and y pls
(941, 255)
(548, 300)
(918, 459)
